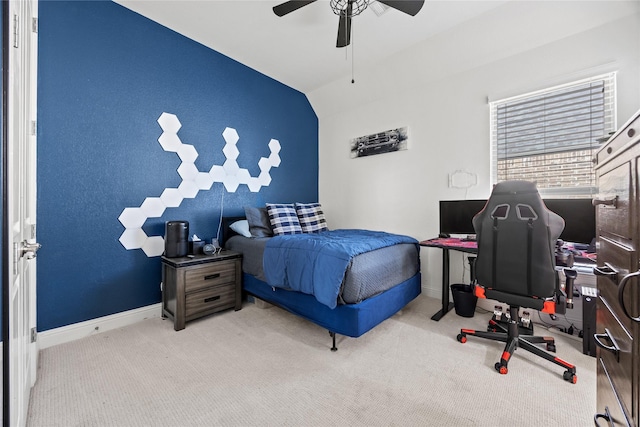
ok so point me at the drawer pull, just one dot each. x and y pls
(606, 416)
(607, 201)
(212, 298)
(608, 271)
(621, 286)
(613, 348)
(212, 276)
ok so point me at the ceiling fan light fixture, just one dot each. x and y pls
(378, 8)
(357, 6)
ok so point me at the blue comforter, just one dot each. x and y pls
(315, 263)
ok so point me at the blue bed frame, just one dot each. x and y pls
(351, 320)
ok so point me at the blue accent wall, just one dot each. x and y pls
(106, 74)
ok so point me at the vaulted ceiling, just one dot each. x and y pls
(299, 49)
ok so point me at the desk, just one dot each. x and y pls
(447, 244)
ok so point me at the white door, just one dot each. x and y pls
(21, 209)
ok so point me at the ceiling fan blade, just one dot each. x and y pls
(344, 27)
(411, 7)
(290, 6)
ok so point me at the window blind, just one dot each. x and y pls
(550, 136)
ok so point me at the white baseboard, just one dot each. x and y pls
(102, 324)
(95, 326)
(432, 293)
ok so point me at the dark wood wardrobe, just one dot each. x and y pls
(618, 306)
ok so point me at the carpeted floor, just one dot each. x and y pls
(267, 367)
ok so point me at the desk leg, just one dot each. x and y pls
(446, 305)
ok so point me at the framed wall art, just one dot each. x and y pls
(378, 143)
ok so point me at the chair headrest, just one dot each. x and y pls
(521, 195)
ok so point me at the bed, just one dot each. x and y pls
(376, 284)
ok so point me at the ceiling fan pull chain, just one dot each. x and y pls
(353, 43)
(353, 80)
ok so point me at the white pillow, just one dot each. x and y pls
(241, 227)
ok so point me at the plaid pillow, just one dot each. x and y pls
(283, 219)
(311, 217)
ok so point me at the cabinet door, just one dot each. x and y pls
(614, 220)
(616, 260)
(615, 361)
(608, 402)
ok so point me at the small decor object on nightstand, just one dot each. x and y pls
(199, 285)
(196, 245)
(212, 248)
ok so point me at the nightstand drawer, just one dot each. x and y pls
(210, 275)
(215, 298)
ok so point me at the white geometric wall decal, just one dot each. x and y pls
(230, 174)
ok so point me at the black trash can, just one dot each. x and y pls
(464, 300)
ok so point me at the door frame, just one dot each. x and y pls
(6, 279)
(19, 145)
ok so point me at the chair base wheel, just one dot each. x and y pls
(551, 348)
(501, 368)
(462, 338)
(570, 376)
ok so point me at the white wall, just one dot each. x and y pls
(439, 89)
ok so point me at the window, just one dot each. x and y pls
(550, 136)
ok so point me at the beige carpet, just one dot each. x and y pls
(267, 367)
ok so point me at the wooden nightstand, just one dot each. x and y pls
(199, 286)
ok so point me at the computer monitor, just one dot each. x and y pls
(456, 215)
(579, 216)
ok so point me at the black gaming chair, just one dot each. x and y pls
(515, 265)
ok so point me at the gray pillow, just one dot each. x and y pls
(259, 224)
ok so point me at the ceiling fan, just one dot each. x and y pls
(346, 9)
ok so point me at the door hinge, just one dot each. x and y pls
(34, 335)
(34, 25)
(15, 31)
(34, 127)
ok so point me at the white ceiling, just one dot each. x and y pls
(299, 48)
